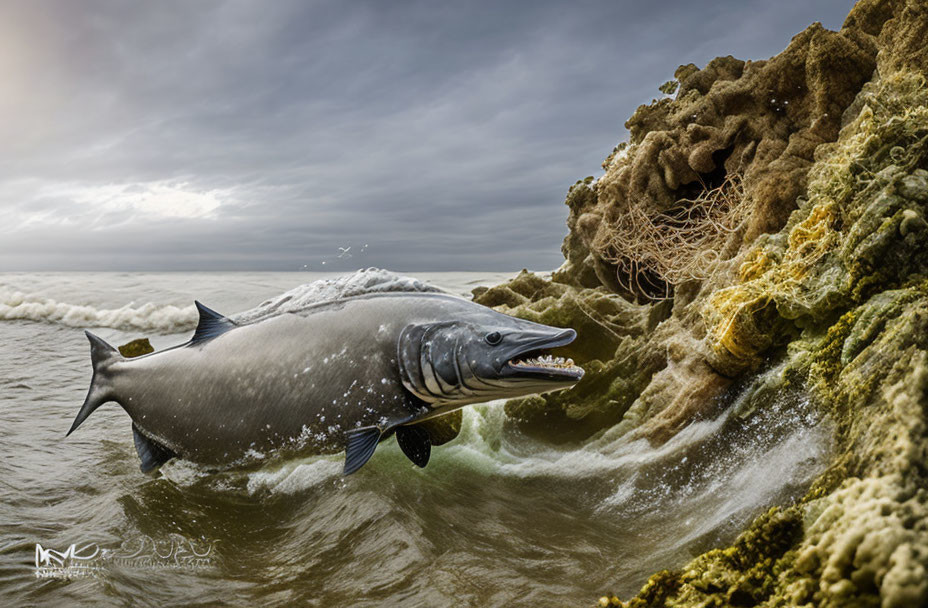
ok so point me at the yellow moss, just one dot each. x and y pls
(837, 242)
(758, 262)
(848, 273)
(736, 333)
(732, 314)
(809, 240)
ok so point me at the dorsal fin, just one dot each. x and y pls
(211, 324)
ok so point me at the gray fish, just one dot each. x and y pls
(343, 374)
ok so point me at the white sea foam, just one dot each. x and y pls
(161, 319)
(295, 476)
(482, 446)
(752, 467)
(370, 280)
(170, 319)
(633, 474)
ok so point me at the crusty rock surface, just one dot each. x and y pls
(760, 120)
(815, 254)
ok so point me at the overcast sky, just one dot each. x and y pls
(268, 134)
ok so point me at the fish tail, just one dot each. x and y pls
(102, 355)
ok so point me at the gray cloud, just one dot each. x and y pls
(443, 135)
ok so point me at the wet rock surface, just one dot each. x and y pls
(756, 122)
(800, 185)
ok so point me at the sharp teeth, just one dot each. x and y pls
(545, 361)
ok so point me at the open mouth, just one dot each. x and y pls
(538, 362)
(549, 364)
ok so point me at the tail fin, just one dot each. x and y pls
(101, 356)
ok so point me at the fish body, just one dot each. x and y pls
(343, 374)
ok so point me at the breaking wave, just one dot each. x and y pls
(169, 319)
(371, 280)
(731, 464)
(164, 319)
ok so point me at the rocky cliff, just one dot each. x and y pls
(770, 210)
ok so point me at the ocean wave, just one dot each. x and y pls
(294, 477)
(691, 464)
(370, 280)
(169, 319)
(157, 318)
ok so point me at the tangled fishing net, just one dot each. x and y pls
(858, 203)
(653, 252)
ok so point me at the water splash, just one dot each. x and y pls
(165, 319)
(370, 280)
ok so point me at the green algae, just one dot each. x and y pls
(849, 278)
(611, 346)
(829, 276)
(860, 534)
(136, 348)
(845, 242)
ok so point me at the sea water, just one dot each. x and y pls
(496, 519)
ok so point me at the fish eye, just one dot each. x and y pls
(494, 338)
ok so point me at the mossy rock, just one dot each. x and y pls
(612, 346)
(861, 230)
(136, 348)
(847, 278)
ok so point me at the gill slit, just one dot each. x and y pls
(457, 369)
(425, 368)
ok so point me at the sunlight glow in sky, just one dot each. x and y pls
(237, 134)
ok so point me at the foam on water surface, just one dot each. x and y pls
(161, 318)
(533, 522)
(371, 280)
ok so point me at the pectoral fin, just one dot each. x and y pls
(151, 453)
(415, 443)
(360, 447)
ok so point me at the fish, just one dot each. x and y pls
(343, 374)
